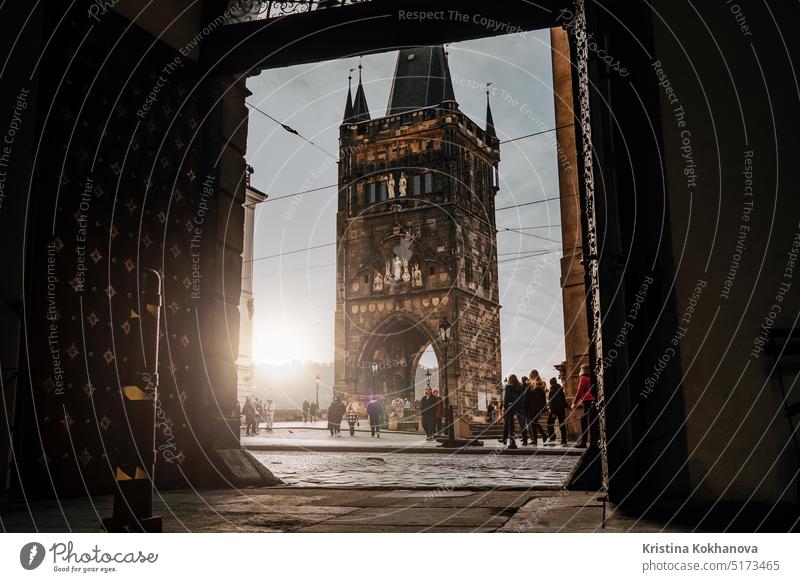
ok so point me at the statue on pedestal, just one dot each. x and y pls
(403, 183)
(390, 186)
(416, 273)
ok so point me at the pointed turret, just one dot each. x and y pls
(490, 130)
(360, 108)
(348, 107)
(421, 79)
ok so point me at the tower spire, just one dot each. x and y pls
(490, 129)
(348, 106)
(421, 79)
(360, 108)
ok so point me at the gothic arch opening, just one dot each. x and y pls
(388, 362)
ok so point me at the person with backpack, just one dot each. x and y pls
(557, 406)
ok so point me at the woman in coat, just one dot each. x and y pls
(335, 413)
(585, 397)
(557, 404)
(535, 404)
(513, 406)
(352, 418)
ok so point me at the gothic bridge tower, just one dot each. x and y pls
(417, 240)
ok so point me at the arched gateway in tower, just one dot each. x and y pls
(416, 239)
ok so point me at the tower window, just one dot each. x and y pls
(416, 184)
(428, 183)
(378, 192)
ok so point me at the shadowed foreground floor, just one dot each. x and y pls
(340, 510)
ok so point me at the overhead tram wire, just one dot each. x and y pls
(291, 130)
(528, 254)
(329, 244)
(328, 186)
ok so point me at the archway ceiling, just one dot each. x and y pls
(367, 27)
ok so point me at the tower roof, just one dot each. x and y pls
(490, 130)
(421, 79)
(348, 106)
(360, 108)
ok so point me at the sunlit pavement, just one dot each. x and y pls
(292, 436)
(307, 456)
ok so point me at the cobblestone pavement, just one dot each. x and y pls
(314, 437)
(443, 471)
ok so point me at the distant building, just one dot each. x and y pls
(244, 361)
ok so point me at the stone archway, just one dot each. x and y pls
(390, 356)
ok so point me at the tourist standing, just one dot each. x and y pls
(557, 404)
(374, 412)
(513, 405)
(259, 414)
(585, 398)
(535, 404)
(427, 407)
(335, 413)
(249, 411)
(306, 406)
(269, 414)
(312, 411)
(490, 412)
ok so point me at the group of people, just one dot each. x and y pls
(254, 411)
(338, 410)
(528, 399)
(432, 413)
(310, 411)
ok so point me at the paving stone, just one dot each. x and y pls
(433, 517)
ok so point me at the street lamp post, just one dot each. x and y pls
(444, 337)
(316, 382)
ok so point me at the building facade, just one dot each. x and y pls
(417, 240)
(244, 362)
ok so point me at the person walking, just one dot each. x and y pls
(306, 406)
(352, 418)
(269, 414)
(427, 407)
(259, 415)
(585, 398)
(513, 405)
(439, 412)
(249, 411)
(535, 404)
(335, 413)
(557, 405)
(374, 412)
(312, 411)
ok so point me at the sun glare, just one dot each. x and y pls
(279, 345)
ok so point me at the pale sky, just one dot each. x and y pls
(295, 294)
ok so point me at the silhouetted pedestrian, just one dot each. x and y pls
(586, 398)
(335, 413)
(557, 404)
(513, 405)
(427, 407)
